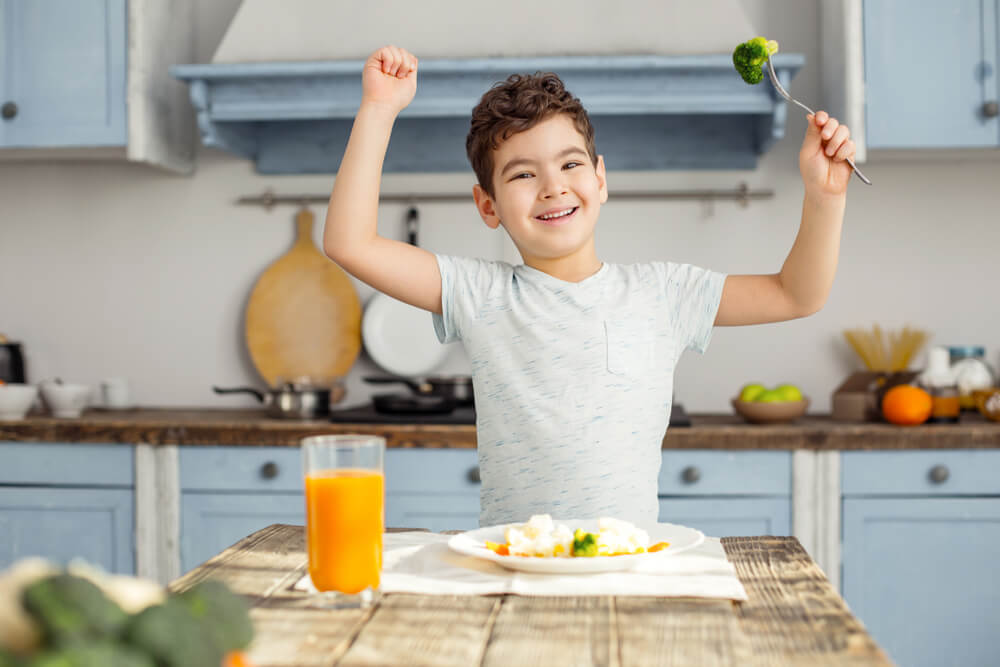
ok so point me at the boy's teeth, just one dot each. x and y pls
(557, 215)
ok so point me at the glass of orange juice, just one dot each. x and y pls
(345, 516)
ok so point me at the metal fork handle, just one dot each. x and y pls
(784, 93)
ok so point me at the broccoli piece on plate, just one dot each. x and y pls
(749, 56)
(584, 543)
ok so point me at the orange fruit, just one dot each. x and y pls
(906, 405)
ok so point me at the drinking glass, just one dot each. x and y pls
(345, 516)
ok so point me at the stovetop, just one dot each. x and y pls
(367, 414)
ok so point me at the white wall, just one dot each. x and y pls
(111, 269)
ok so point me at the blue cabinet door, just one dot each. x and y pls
(210, 522)
(60, 524)
(920, 573)
(433, 511)
(729, 517)
(63, 66)
(929, 69)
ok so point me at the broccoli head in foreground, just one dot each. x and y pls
(584, 543)
(749, 56)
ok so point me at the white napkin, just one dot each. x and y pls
(419, 562)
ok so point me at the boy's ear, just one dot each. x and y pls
(602, 178)
(485, 207)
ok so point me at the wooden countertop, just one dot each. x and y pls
(792, 617)
(178, 426)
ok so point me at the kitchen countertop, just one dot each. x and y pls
(792, 616)
(183, 426)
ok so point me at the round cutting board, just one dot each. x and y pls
(304, 317)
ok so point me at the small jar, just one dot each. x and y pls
(945, 406)
(971, 372)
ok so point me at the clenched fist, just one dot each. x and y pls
(389, 78)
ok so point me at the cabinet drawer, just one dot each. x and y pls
(66, 464)
(431, 471)
(723, 473)
(941, 472)
(240, 469)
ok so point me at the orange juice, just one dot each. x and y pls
(344, 525)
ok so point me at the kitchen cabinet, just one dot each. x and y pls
(913, 76)
(727, 493)
(921, 540)
(230, 492)
(931, 74)
(63, 501)
(89, 79)
(438, 489)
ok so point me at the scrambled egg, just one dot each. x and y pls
(541, 537)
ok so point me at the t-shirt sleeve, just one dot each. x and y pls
(694, 295)
(464, 283)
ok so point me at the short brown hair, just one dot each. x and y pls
(515, 105)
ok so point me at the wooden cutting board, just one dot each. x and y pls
(304, 317)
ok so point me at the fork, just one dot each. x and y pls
(784, 93)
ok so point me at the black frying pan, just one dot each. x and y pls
(404, 404)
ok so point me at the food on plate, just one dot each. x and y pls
(542, 538)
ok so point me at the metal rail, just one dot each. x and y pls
(741, 194)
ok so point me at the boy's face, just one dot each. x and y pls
(543, 170)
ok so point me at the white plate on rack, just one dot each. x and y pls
(473, 543)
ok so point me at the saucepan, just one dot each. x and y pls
(294, 400)
(455, 388)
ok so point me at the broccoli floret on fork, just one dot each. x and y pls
(749, 56)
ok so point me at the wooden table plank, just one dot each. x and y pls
(792, 617)
(792, 609)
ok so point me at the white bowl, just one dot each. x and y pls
(65, 400)
(16, 400)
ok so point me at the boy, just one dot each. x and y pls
(572, 358)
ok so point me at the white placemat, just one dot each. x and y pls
(419, 562)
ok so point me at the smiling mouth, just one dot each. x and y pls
(561, 220)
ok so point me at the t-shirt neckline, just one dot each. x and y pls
(541, 276)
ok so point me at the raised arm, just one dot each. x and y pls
(350, 237)
(805, 280)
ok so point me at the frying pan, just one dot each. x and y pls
(403, 404)
(399, 337)
(455, 387)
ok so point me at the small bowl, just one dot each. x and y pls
(65, 400)
(989, 397)
(777, 412)
(16, 400)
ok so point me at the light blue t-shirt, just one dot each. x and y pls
(573, 381)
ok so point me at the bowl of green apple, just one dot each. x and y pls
(760, 405)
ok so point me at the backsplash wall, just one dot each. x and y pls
(118, 270)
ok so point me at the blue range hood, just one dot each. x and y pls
(649, 112)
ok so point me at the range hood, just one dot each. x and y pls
(293, 112)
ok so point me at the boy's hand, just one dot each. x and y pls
(824, 153)
(389, 78)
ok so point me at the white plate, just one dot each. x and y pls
(400, 338)
(473, 543)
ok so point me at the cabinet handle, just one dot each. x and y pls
(939, 474)
(690, 475)
(269, 470)
(473, 475)
(8, 110)
(991, 109)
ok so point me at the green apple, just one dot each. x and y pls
(789, 392)
(770, 396)
(750, 392)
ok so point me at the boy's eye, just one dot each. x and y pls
(564, 166)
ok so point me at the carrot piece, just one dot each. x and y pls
(659, 546)
(499, 549)
(236, 659)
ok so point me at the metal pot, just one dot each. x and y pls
(455, 388)
(293, 401)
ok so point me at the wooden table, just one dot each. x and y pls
(792, 617)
